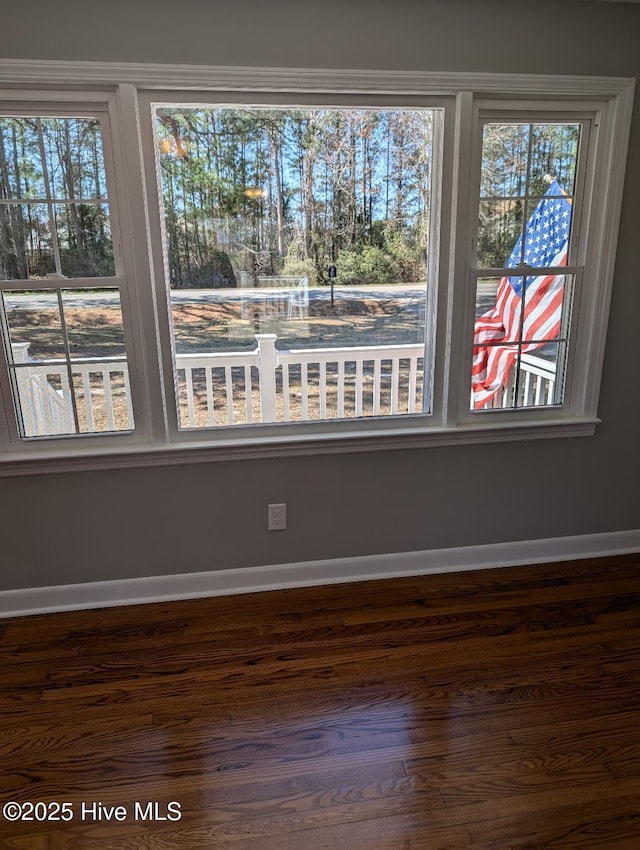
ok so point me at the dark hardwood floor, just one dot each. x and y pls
(495, 709)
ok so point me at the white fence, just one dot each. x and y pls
(271, 385)
(535, 386)
(100, 390)
(263, 385)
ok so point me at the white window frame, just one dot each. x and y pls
(585, 284)
(261, 432)
(129, 89)
(100, 105)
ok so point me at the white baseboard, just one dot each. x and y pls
(104, 594)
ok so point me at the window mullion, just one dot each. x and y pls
(67, 354)
(462, 235)
(136, 233)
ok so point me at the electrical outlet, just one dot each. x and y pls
(277, 517)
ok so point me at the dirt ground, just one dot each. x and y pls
(231, 327)
(97, 331)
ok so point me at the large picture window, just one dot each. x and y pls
(297, 255)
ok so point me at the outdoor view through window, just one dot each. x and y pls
(297, 254)
(527, 190)
(299, 250)
(64, 342)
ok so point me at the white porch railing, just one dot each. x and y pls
(535, 387)
(272, 385)
(263, 385)
(100, 387)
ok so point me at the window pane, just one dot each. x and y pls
(26, 247)
(499, 230)
(20, 159)
(74, 158)
(505, 149)
(55, 394)
(547, 230)
(520, 160)
(554, 153)
(537, 163)
(540, 376)
(499, 313)
(93, 320)
(531, 379)
(43, 401)
(261, 208)
(33, 318)
(58, 161)
(84, 240)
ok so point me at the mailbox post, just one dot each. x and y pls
(332, 279)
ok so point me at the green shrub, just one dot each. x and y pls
(215, 273)
(300, 268)
(371, 265)
(406, 255)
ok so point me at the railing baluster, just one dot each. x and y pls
(526, 395)
(208, 375)
(127, 395)
(323, 390)
(267, 364)
(188, 377)
(550, 389)
(395, 379)
(88, 399)
(377, 385)
(66, 392)
(341, 389)
(229, 393)
(505, 393)
(538, 389)
(304, 387)
(358, 387)
(108, 399)
(412, 401)
(285, 392)
(248, 397)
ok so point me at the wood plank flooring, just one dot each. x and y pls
(494, 709)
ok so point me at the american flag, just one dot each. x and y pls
(502, 332)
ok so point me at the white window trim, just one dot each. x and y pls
(284, 431)
(614, 97)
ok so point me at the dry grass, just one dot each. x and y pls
(246, 404)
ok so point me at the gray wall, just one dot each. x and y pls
(62, 528)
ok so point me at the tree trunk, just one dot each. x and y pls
(276, 150)
(7, 243)
(17, 214)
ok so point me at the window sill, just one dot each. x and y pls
(80, 459)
